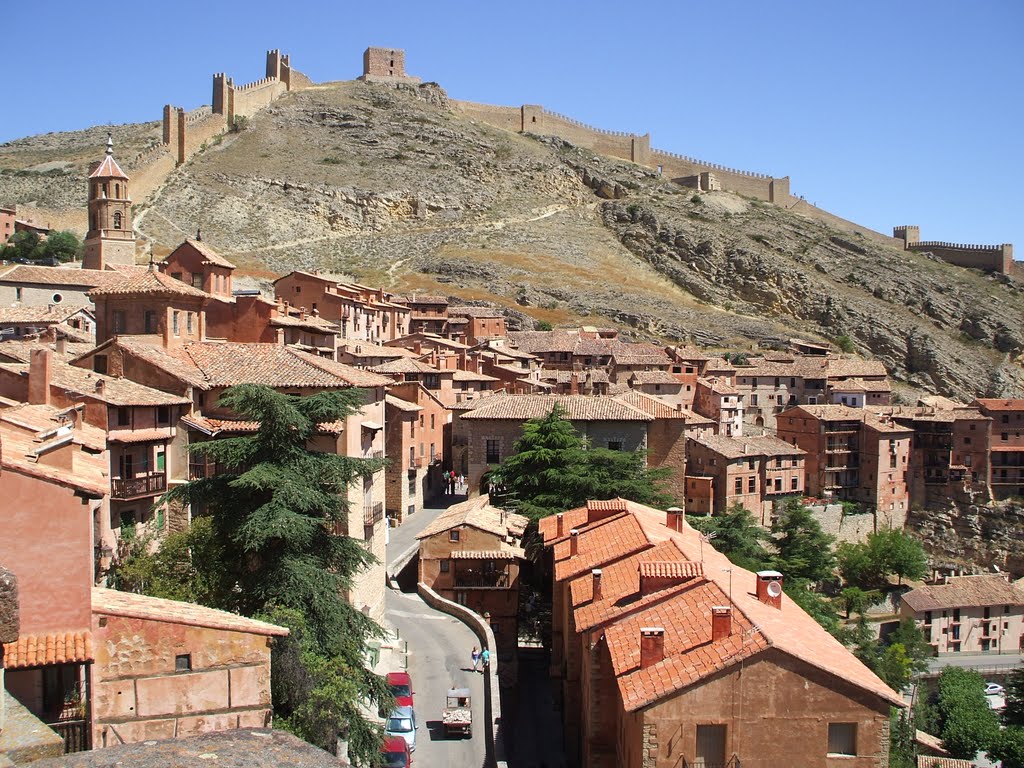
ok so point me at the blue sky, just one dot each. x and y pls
(882, 112)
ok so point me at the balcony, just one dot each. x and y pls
(732, 762)
(472, 580)
(138, 486)
(76, 735)
(373, 513)
(373, 455)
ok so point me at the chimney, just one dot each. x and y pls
(574, 542)
(769, 588)
(652, 646)
(721, 622)
(61, 343)
(574, 383)
(100, 386)
(40, 373)
(560, 521)
(596, 574)
(674, 518)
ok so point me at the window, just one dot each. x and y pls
(183, 663)
(445, 566)
(119, 321)
(17, 294)
(493, 451)
(124, 417)
(739, 485)
(188, 323)
(176, 276)
(163, 415)
(161, 464)
(57, 298)
(412, 456)
(117, 219)
(175, 322)
(753, 399)
(1004, 436)
(752, 485)
(197, 281)
(793, 483)
(99, 364)
(842, 738)
(149, 320)
(987, 612)
(432, 425)
(453, 535)
(614, 445)
(927, 617)
(778, 483)
(751, 463)
(1005, 419)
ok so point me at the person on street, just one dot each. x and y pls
(485, 657)
(476, 658)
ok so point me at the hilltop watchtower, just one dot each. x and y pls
(110, 239)
(385, 65)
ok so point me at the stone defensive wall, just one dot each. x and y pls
(531, 118)
(185, 133)
(990, 258)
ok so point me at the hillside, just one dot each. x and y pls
(393, 186)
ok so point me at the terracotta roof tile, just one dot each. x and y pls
(748, 447)
(108, 169)
(366, 349)
(402, 405)
(472, 311)
(490, 554)
(477, 513)
(654, 377)
(624, 353)
(577, 408)
(660, 409)
(930, 761)
(997, 404)
(966, 592)
(210, 256)
(48, 649)
(599, 545)
(25, 274)
(148, 283)
(460, 375)
(111, 602)
(48, 314)
(404, 365)
(116, 391)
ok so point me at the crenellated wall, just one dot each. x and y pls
(990, 258)
(532, 118)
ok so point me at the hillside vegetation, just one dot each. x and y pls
(392, 186)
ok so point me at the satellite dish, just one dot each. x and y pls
(774, 589)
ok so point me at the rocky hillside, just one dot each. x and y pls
(394, 187)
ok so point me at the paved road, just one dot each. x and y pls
(404, 536)
(993, 661)
(439, 648)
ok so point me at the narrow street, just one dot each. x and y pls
(439, 649)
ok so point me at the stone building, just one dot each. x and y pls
(484, 433)
(969, 614)
(428, 314)
(721, 402)
(167, 669)
(196, 264)
(753, 472)
(852, 455)
(416, 439)
(671, 655)
(470, 554)
(1007, 445)
(385, 65)
(483, 323)
(35, 320)
(31, 286)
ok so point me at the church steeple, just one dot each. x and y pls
(110, 239)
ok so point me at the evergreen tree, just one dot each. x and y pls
(737, 535)
(272, 514)
(552, 470)
(902, 749)
(967, 724)
(1013, 712)
(804, 550)
(1008, 747)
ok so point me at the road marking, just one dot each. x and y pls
(411, 615)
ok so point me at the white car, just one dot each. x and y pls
(993, 689)
(402, 722)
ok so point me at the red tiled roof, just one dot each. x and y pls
(116, 391)
(576, 407)
(210, 256)
(112, 602)
(477, 513)
(659, 409)
(489, 554)
(619, 581)
(966, 592)
(404, 365)
(466, 310)
(108, 169)
(930, 761)
(62, 276)
(139, 435)
(752, 447)
(997, 404)
(600, 544)
(671, 569)
(148, 283)
(47, 649)
(48, 314)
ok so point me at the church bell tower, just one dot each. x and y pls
(110, 239)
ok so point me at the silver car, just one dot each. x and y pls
(402, 722)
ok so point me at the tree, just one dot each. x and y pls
(272, 514)
(28, 245)
(910, 636)
(542, 325)
(552, 470)
(814, 604)
(62, 246)
(1008, 747)
(737, 535)
(804, 549)
(889, 551)
(904, 555)
(856, 600)
(845, 343)
(901, 742)
(967, 724)
(1013, 712)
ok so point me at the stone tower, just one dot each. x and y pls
(110, 239)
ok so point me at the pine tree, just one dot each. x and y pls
(804, 549)
(737, 535)
(272, 513)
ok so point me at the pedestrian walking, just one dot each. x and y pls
(475, 654)
(462, 483)
(485, 657)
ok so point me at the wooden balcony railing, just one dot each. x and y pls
(141, 485)
(496, 580)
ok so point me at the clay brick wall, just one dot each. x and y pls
(138, 695)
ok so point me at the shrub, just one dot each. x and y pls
(697, 200)
(845, 343)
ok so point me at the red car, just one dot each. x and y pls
(396, 752)
(401, 687)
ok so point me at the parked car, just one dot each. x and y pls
(993, 689)
(396, 753)
(401, 687)
(402, 722)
